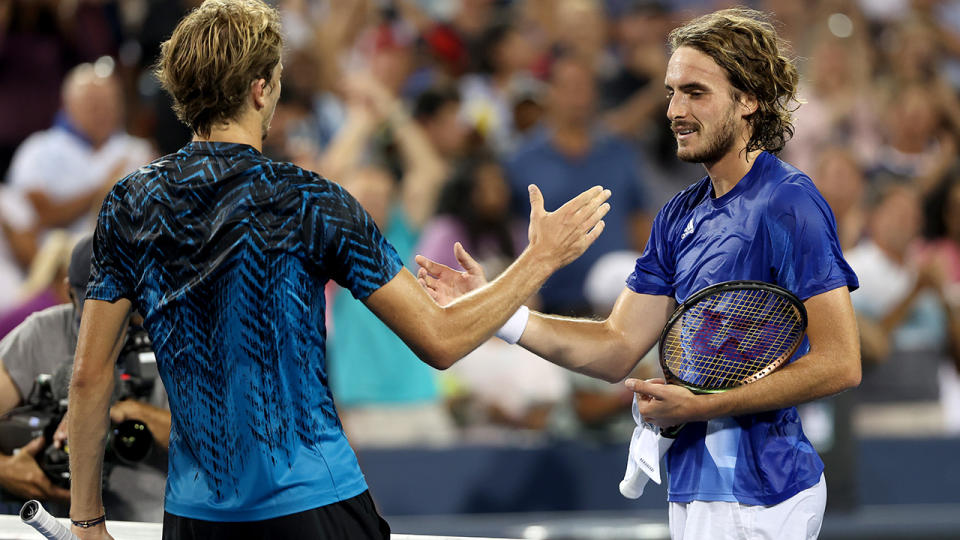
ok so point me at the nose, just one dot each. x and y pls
(677, 108)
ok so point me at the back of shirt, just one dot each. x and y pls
(773, 226)
(226, 253)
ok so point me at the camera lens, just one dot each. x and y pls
(131, 441)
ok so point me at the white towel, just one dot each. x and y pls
(647, 448)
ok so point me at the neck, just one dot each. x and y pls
(730, 169)
(244, 131)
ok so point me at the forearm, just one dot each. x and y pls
(586, 346)
(345, 150)
(51, 213)
(88, 424)
(102, 332)
(473, 318)
(806, 379)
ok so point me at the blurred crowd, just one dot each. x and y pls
(436, 115)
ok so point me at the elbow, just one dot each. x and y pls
(854, 376)
(438, 354)
(615, 376)
(853, 373)
(84, 381)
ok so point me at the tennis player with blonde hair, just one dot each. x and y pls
(742, 467)
(226, 253)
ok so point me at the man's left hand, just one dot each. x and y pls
(666, 405)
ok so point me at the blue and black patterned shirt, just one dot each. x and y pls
(226, 254)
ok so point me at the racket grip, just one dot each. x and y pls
(33, 514)
(671, 432)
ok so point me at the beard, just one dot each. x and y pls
(716, 148)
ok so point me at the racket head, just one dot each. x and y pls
(730, 334)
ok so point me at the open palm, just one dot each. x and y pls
(444, 284)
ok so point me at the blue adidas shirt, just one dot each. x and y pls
(226, 253)
(773, 226)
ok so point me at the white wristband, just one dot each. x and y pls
(515, 325)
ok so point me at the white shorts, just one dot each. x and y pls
(797, 518)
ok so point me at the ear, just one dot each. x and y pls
(748, 104)
(258, 89)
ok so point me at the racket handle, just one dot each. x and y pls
(672, 431)
(33, 514)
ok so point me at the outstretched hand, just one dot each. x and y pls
(444, 284)
(564, 234)
(557, 237)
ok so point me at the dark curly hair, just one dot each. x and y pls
(745, 44)
(214, 54)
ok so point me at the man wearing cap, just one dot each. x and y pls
(42, 344)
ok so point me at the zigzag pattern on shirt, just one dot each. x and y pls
(228, 256)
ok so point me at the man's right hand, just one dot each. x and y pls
(559, 237)
(20, 474)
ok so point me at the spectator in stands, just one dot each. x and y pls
(504, 79)
(919, 142)
(599, 410)
(901, 306)
(385, 394)
(18, 245)
(43, 344)
(66, 170)
(44, 285)
(565, 155)
(474, 210)
(840, 107)
(437, 110)
(945, 251)
(495, 385)
(841, 181)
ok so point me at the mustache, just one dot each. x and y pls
(678, 126)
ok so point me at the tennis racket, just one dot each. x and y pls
(730, 334)
(33, 513)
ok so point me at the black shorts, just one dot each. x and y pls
(351, 519)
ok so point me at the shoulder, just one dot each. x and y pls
(685, 201)
(792, 191)
(308, 184)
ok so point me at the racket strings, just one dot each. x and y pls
(725, 339)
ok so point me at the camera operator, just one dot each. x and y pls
(44, 344)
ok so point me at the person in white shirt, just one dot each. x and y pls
(65, 171)
(17, 244)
